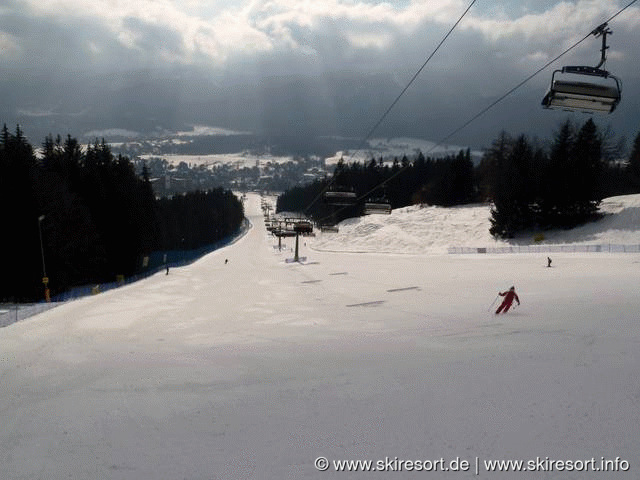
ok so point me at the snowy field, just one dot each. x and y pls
(236, 160)
(397, 147)
(256, 368)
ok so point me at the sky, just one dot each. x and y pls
(303, 68)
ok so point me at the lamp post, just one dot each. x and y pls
(45, 279)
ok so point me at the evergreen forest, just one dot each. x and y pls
(80, 216)
(531, 185)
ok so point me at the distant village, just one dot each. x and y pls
(176, 166)
(170, 179)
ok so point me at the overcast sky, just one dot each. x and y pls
(303, 67)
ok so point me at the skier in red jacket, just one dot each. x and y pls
(509, 296)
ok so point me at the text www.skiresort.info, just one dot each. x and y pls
(477, 465)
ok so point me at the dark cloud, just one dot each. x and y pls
(333, 76)
(154, 40)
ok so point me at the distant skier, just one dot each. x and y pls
(226, 260)
(548, 261)
(509, 296)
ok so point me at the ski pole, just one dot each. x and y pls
(492, 303)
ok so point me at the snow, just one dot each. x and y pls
(237, 160)
(422, 229)
(253, 369)
(206, 130)
(390, 148)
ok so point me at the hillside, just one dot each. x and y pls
(242, 365)
(433, 230)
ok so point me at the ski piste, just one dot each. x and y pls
(185, 375)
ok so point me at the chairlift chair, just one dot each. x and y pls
(585, 96)
(282, 232)
(303, 227)
(377, 205)
(340, 197)
(371, 208)
(329, 228)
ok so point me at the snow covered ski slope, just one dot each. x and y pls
(256, 368)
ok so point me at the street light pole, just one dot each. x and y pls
(45, 279)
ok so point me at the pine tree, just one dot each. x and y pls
(23, 272)
(588, 167)
(462, 178)
(633, 167)
(556, 195)
(513, 196)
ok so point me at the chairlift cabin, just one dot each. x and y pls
(585, 95)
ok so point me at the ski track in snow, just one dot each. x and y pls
(253, 369)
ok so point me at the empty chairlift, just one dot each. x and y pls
(340, 197)
(284, 232)
(377, 205)
(585, 95)
(329, 228)
(303, 227)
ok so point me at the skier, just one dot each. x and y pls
(226, 260)
(548, 261)
(509, 295)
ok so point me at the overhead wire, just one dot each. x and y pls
(473, 118)
(509, 92)
(397, 99)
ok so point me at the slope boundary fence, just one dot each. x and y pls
(11, 312)
(600, 248)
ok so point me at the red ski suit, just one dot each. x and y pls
(509, 296)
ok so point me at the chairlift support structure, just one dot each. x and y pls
(585, 96)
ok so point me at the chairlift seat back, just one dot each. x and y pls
(340, 198)
(336, 194)
(586, 89)
(377, 207)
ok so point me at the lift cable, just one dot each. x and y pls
(544, 67)
(475, 117)
(397, 99)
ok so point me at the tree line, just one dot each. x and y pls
(439, 181)
(561, 186)
(530, 185)
(82, 215)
